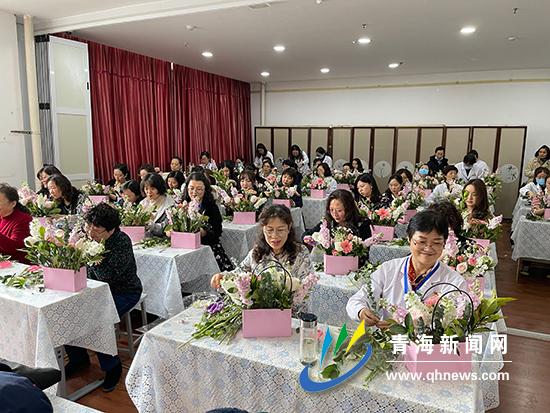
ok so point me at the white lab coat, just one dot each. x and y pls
(258, 161)
(388, 283)
(332, 184)
(328, 160)
(484, 167)
(441, 191)
(477, 171)
(530, 187)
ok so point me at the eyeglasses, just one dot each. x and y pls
(278, 232)
(424, 245)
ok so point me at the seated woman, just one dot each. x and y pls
(14, 223)
(207, 162)
(537, 185)
(427, 233)
(424, 170)
(323, 171)
(197, 188)
(357, 166)
(175, 180)
(69, 199)
(156, 195)
(366, 191)
(131, 192)
(118, 269)
(227, 167)
(261, 154)
(541, 159)
(448, 189)
(276, 242)
(342, 211)
(300, 158)
(43, 175)
(145, 170)
(288, 180)
(405, 175)
(121, 174)
(395, 185)
(176, 164)
(267, 169)
(546, 192)
(247, 182)
(476, 202)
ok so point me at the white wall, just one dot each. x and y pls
(483, 98)
(13, 163)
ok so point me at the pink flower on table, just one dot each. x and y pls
(460, 258)
(308, 239)
(400, 314)
(346, 246)
(472, 261)
(462, 268)
(432, 300)
(384, 214)
(334, 252)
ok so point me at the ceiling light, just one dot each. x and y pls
(512, 38)
(325, 70)
(319, 1)
(364, 40)
(190, 27)
(207, 54)
(265, 74)
(279, 48)
(468, 30)
(395, 65)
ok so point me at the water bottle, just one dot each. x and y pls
(308, 339)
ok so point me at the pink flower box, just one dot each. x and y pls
(343, 186)
(424, 363)
(285, 202)
(547, 214)
(65, 280)
(136, 234)
(185, 240)
(481, 281)
(340, 265)
(98, 199)
(409, 213)
(268, 322)
(387, 232)
(483, 243)
(244, 218)
(318, 193)
(5, 264)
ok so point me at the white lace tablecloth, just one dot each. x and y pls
(238, 240)
(401, 230)
(531, 240)
(298, 222)
(33, 324)
(262, 375)
(313, 210)
(521, 209)
(165, 272)
(61, 405)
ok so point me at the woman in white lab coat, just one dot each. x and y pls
(470, 169)
(449, 188)
(536, 186)
(427, 233)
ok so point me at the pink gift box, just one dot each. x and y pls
(98, 199)
(5, 264)
(424, 363)
(268, 322)
(285, 202)
(387, 232)
(481, 281)
(547, 214)
(64, 280)
(136, 234)
(318, 193)
(343, 186)
(338, 265)
(409, 213)
(483, 243)
(186, 240)
(244, 218)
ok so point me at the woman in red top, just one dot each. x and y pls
(14, 223)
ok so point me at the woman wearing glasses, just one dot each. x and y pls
(427, 233)
(276, 242)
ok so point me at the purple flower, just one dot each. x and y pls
(215, 307)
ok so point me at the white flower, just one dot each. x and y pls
(296, 284)
(260, 202)
(462, 267)
(253, 199)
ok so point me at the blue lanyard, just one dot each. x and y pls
(406, 275)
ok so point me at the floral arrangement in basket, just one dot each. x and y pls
(272, 288)
(493, 182)
(474, 228)
(338, 242)
(306, 181)
(61, 247)
(176, 194)
(223, 182)
(135, 215)
(94, 188)
(344, 178)
(318, 183)
(388, 216)
(186, 217)
(425, 182)
(38, 205)
(242, 202)
(416, 197)
(279, 191)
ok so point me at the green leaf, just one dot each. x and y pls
(331, 371)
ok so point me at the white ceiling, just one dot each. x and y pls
(423, 34)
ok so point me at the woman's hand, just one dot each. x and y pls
(370, 318)
(216, 280)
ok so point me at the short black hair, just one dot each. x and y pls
(397, 176)
(474, 152)
(427, 221)
(133, 186)
(326, 168)
(449, 168)
(147, 167)
(267, 160)
(401, 172)
(321, 150)
(205, 153)
(156, 181)
(293, 173)
(291, 163)
(469, 159)
(439, 148)
(178, 176)
(178, 158)
(103, 215)
(122, 167)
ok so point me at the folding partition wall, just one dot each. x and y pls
(385, 149)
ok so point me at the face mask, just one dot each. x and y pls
(541, 181)
(438, 157)
(423, 171)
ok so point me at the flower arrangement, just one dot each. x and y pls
(338, 242)
(135, 215)
(474, 228)
(425, 182)
(95, 188)
(344, 178)
(242, 202)
(186, 217)
(30, 277)
(279, 191)
(305, 184)
(416, 197)
(540, 201)
(272, 288)
(318, 183)
(38, 205)
(61, 247)
(223, 182)
(363, 274)
(176, 194)
(388, 216)
(493, 182)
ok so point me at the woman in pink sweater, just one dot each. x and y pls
(14, 223)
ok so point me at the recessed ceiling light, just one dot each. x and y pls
(265, 74)
(364, 40)
(207, 54)
(325, 70)
(512, 38)
(468, 30)
(279, 48)
(395, 65)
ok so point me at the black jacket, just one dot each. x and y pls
(437, 166)
(214, 228)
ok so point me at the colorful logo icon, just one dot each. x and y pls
(314, 387)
